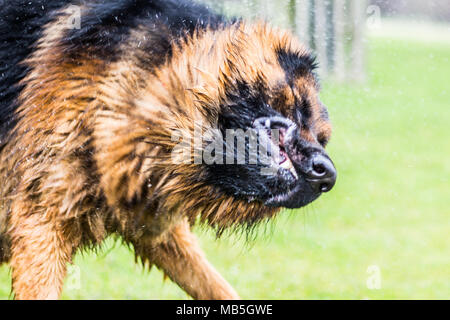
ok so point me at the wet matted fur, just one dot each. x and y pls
(87, 122)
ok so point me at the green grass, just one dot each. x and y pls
(390, 207)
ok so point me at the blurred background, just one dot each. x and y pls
(383, 232)
(337, 30)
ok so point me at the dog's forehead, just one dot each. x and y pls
(264, 49)
(290, 95)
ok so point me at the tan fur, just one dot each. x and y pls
(90, 156)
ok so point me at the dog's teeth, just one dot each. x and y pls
(288, 166)
(294, 173)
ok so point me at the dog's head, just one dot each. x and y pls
(272, 122)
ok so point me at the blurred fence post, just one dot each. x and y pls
(320, 36)
(357, 54)
(339, 60)
(333, 29)
(302, 21)
(291, 12)
(266, 9)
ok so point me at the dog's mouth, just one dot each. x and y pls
(299, 174)
(274, 135)
(281, 171)
(284, 161)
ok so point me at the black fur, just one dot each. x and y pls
(20, 27)
(108, 22)
(247, 102)
(296, 64)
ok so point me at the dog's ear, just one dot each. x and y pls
(296, 63)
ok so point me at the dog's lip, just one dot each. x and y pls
(282, 197)
(289, 199)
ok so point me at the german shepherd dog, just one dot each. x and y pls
(96, 96)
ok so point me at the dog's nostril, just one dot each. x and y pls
(325, 187)
(322, 167)
(319, 169)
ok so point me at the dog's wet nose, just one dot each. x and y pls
(322, 174)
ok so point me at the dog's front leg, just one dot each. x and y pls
(181, 258)
(39, 255)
